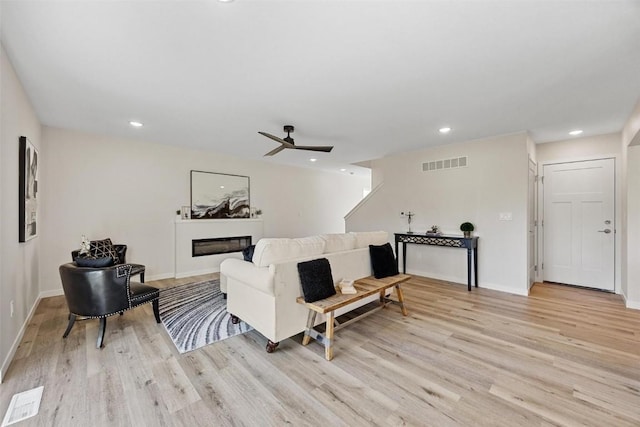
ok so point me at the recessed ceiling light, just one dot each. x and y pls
(575, 132)
(222, 186)
(313, 160)
(343, 170)
(444, 130)
(225, 1)
(135, 124)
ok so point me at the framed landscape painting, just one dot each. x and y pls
(218, 195)
(27, 190)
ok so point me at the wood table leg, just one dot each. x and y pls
(311, 319)
(401, 300)
(328, 346)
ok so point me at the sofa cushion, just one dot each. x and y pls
(383, 261)
(103, 248)
(316, 280)
(366, 238)
(271, 251)
(338, 242)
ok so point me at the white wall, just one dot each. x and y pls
(19, 261)
(129, 190)
(495, 181)
(587, 148)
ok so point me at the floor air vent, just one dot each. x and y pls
(453, 163)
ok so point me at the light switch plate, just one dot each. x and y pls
(505, 216)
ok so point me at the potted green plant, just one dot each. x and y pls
(466, 228)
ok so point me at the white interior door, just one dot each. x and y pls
(579, 229)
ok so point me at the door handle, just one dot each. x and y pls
(605, 231)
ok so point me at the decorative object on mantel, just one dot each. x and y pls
(466, 228)
(409, 215)
(256, 212)
(218, 195)
(27, 189)
(185, 212)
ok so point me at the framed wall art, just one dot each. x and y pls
(27, 190)
(218, 195)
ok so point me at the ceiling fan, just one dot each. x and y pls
(287, 142)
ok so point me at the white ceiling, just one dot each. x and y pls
(372, 78)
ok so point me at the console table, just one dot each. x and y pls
(470, 243)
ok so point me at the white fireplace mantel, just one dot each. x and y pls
(187, 230)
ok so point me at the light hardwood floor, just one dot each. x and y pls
(563, 356)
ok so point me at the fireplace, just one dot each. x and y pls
(219, 245)
(187, 231)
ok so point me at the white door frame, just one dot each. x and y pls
(532, 237)
(617, 207)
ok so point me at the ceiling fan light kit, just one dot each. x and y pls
(287, 142)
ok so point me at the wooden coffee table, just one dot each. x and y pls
(366, 287)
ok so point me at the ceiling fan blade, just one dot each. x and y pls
(276, 151)
(280, 140)
(325, 148)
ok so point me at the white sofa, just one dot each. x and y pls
(263, 292)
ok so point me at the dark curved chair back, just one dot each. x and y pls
(103, 292)
(96, 292)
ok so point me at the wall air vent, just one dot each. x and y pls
(434, 165)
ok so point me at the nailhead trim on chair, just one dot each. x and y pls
(121, 271)
(112, 314)
(125, 270)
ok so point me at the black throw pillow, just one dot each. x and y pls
(383, 261)
(89, 261)
(316, 279)
(247, 253)
(103, 248)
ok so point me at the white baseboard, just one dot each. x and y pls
(633, 304)
(430, 275)
(500, 288)
(51, 293)
(630, 303)
(159, 277)
(59, 291)
(197, 272)
(492, 286)
(12, 351)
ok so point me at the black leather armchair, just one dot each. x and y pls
(103, 292)
(122, 253)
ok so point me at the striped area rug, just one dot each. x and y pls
(195, 315)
